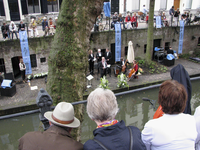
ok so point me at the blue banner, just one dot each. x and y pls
(106, 9)
(25, 51)
(158, 22)
(181, 35)
(117, 42)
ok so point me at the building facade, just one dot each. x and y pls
(15, 10)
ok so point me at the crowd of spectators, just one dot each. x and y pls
(47, 26)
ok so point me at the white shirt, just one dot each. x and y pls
(170, 132)
(144, 10)
(197, 118)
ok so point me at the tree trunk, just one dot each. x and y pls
(68, 58)
(149, 50)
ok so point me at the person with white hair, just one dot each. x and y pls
(13, 29)
(110, 133)
(57, 136)
(33, 27)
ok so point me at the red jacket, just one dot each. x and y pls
(126, 19)
(133, 19)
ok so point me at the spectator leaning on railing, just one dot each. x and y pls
(13, 29)
(5, 31)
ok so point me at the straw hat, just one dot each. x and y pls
(63, 115)
(44, 18)
(56, 18)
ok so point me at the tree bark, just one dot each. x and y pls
(149, 50)
(68, 58)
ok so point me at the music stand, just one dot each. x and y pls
(89, 81)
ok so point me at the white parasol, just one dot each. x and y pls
(130, 55)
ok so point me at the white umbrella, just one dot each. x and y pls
(130, 55)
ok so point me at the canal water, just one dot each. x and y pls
(133, 110)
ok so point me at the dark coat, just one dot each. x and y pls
(109, 56)
(4, 29)
(99, 57)
(21, 26)
(179, 74)
(44, 24)
(55, 138)
(115, 137)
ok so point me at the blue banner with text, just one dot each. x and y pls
(181, 35)
(158, 21)
(117, 42)
(25, 51)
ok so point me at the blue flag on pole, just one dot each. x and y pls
(25, 51)
(181, 35)
(117, 41)
(106, 8)
(158, 21)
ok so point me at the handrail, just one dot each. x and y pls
(85, 101)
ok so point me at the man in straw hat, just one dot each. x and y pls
(58, 136)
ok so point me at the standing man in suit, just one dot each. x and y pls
(108, 57)
(91, 62)
(103, 67)
(99, 56)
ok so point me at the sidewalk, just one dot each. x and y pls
(25, 97)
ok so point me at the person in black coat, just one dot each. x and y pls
(99, 57)
(91, 62)
(179, 74)
(5, 31)
(102, 108)
(21, 26)
(103, 67)
(108, 57)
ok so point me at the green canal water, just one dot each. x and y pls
(133, 110)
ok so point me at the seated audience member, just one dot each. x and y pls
(33, 27)
(174, 130)
(98, 25)
(13, 29)
(197, 118)
(134, 20)
(5, 31)
(133, 71)
(21, 26)
(57, 137)
(128, 21)
(45, 26)
(114, 19)
(121, 20)
(102, 108)
(51, 26)
(179, 74)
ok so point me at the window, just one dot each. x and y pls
(33, 60)
(199, 42)
(126, 50)
(2, 12)
(2, 65)
(33, 6)
(163, 5)
(188, 4)
(43, 59)
(24, 7)
(136, 5)
(145, 48)
(52, 5)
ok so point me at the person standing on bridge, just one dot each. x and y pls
(57, 136)
(110, 133)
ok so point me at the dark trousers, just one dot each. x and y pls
(103, 72)
(91, 67)
(23, 74)
(15, 34)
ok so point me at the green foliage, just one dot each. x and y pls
(122, 81)
(104, 83)
(184, 56)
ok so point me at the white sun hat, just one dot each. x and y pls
(63, 115)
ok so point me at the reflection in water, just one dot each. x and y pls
(133, 110)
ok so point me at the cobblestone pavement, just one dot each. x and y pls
(25, 96)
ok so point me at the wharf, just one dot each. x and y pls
(25, 99)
